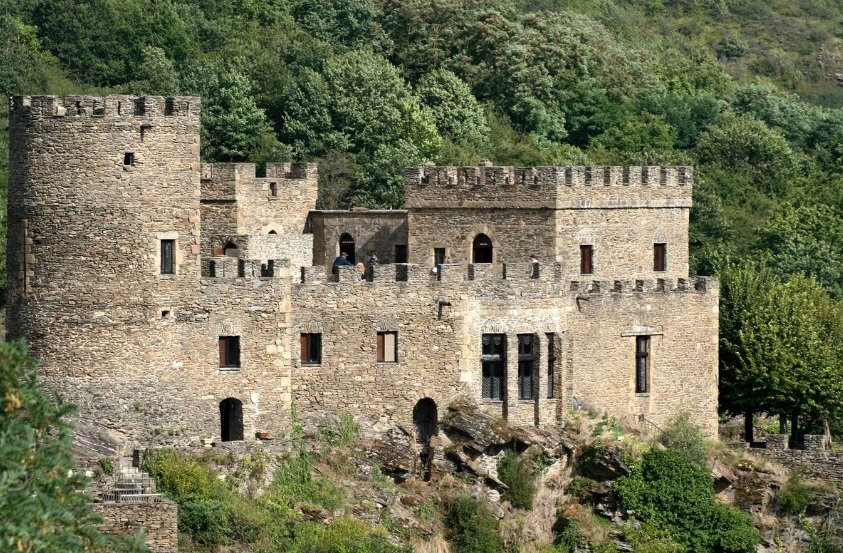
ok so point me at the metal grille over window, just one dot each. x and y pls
(493, 361)
(642, 364)
(168, 255)
(526, 361)
(311, 349)
(387, 347)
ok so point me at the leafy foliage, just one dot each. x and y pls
(795, 496)
(685, 437)
(471, 527)
(519, 475)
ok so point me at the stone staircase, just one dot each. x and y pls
(132, 485)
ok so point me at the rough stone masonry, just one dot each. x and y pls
(175, 301)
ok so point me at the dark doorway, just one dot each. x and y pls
(424, 418)
(400, 253)
(347, 246)
(231, 420)
(231, 250)
(482, 248)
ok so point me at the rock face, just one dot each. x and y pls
(90, 441)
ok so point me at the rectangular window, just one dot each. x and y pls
(387, 347)
(128, 158)
(551, 363)
(526, 362)
(642, 364)
(659, 257)
(401, 253)
(268, 268)
(311, 349)
(438, 256)
(586, 258)
(273, 189)
(168, 257)
(229, 352)
(493, 361)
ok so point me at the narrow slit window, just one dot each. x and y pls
(551, 364)
(642, 364)
(311, 348)
(659, 257)
(128, 159)
(586, 259)
(229, 352)
(387, 347)
(526, 365)
(493, 364)
(273, 189)
(168, 257)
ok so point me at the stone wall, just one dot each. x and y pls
(159, 521)
(815, 460)
(371, 230)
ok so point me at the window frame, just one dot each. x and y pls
(167, 261)
(495, 362)
(659, 257)
(306, 356)
(381, 349)
(586, 259)
(229, 353)
(527, 364)
(643, 351)
(551, 365)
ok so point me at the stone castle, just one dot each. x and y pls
(174, 301)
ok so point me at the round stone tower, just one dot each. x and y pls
(103, 228)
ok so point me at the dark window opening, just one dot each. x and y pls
(551, 363)
(231, 419)
(140, 106)
(311, 349)
(425, 420)
(129, 158)
(241, 268)
(387, 347)
(401, 253)
(272, 232)
(268, 268)
(165, 313)
(493, 360)
(438, 256)
(231, 250)
(642, 364)
(526, 361)
(169, 106)
(347, 247)
(586, 259)
(212, 268)
(482, 249)
(659, 257)
(229, 352)
(273, 189)
(168, 257)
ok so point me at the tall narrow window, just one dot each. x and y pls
(273, 189)
(347, 246)
(401, 253)
(526, 362)
(482, 249)
(311, 349)
(128, 158)
(659, 257)
(387, 347)
(229, 352)
(551, 363)
(642, 364)
(168, 257)
(438, 256)
(268, 268)
(586, 259)
(493, 360)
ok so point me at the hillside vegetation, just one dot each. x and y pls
(746, 91)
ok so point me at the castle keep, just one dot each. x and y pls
(173, 300)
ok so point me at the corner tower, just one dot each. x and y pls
(103, 227)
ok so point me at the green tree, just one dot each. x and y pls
(643, 139)
(343, 22)
(40, 507)
(454, 110)
(156, 74)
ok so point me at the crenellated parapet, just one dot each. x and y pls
(489, 185)
(114, 106)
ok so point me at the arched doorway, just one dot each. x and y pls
(231, 419)
(425, 420)
(347, 246)
(482, 249)
(231, 250)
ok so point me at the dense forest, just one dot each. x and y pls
(746, 91)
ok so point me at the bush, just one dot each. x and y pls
(206, 520)
(518, 474)
(294, 481)
(180, 477)
(687, 438)
(471, 527)
(672, 492)
(794, 497)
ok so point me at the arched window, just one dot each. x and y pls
(482, 249)
(425, 420)
(347, 246)
(231, 250)
(231, 419)
(272, 232)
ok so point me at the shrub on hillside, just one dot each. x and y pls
(687, 438)
(672, 492)
(794, 497)
(180, 477)
(471, 527)
(206, 520)
(517, 473)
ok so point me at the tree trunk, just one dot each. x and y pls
(794, 430)
(748, 430)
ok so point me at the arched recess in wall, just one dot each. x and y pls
(231, 419)
(346, 245)
(425, 419)
(231, 250)
(482, 250)
(272, 232)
